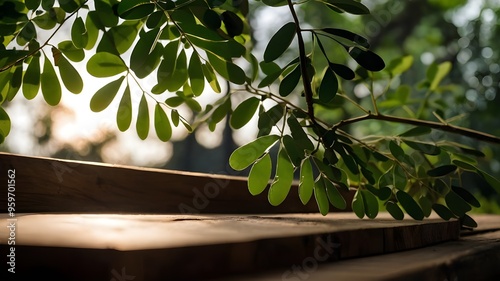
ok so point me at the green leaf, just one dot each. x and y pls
(467, 221)
(280, 42)
(124, 35)
(425, 148)
(209, 74)
(367, 59)
(399, 65)
(31, 79)
(268, 119)
(135, 9)
(70, 51)
(342, 71)
(349, 6)
(32, 4)
(396, 151)
(358, 206)
(79, 33)
(457, 204)
(69, 6)
(334, 196)
(51, 88)
(394, 210)
(259, 175)
(294, 152)
(212, 19)
(196, 77)
(105, 65)
(290, 82)
(399, 177)
(233, 23)
(146, 54)
(244, 112)
(142, 123)
(105, 95)
(47, 20)
(466, 195)
(441, 170)
(436, 73)
(464, 165)
(282, 181)
(329, 86)
(162, 124)
(5, 124)
(26, 34)
(70, 76)
(174, 115)
(306, 183)
(492, 181)
(443, 211)
(124, 114)
(299, 135)
(245, 155)
(156, 19)
(105, 13)
(274, 3)
(180, 75)
(220, 112)
(92, 30)
(353, 37)
(321, 196)
(426, 206)
(371, 204)
(416, 131)
(410, 205)
(227, 69)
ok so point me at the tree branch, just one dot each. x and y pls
(417, 122)
(306, 80)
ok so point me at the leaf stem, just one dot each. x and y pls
(4, 68)
(417, 122)
(306, 80)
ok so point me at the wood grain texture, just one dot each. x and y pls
(474, 257)
(197, 247)
(52, 185)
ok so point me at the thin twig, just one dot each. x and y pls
(417, 122)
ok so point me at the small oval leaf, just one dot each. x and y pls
(441, 170)
(259, 175)
(306, 184)
(142, 123)
(410, 205)
(245, 155)
(244, 112)
(124, 114)
(51, 88)
(321, 196)
(283, 180)
(367, 59)
(105, 95)
(328, 87)
(280, 42)
(162, 124)
(394, 210)
(105, 65)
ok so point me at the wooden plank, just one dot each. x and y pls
(475, 257)
(52, 185)
(196, 247)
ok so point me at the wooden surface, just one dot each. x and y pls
(51, 185)
(196, 247)
(474, 257)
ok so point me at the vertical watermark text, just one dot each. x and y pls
(12, 221)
